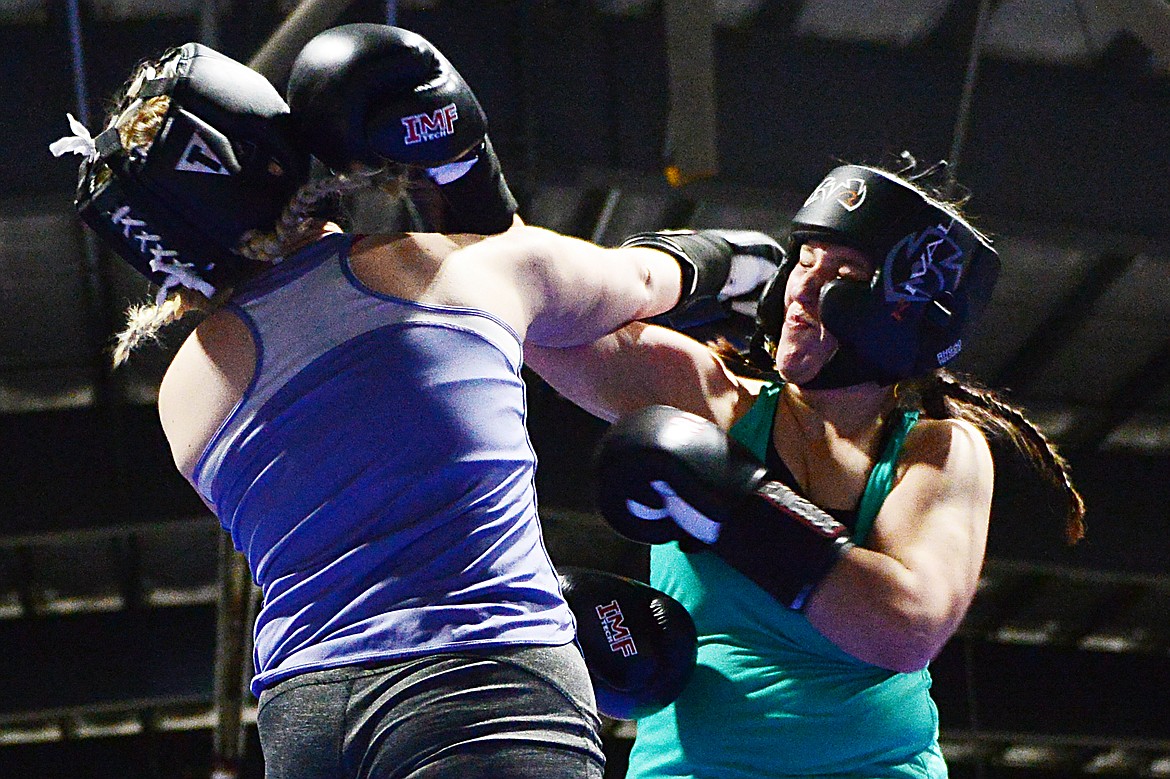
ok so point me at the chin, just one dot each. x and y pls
(798, 366)
(797, 381)
(798, 373)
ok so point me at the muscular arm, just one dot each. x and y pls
(205, 380)
(572, 291)
(641, 365)
(560, 291)
(581, 292)
(896, 603)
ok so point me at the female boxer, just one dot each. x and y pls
(824, 525)
(352, 410)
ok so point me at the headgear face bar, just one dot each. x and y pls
(934, 274)
(223, 163)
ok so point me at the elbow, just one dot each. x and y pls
(910, 653)
(910, 661)
(655, 301)
(645, 295)
(919, 629)
(659, 281)
(898, 621)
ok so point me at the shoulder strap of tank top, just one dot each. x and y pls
(754, 429)
(881, 477)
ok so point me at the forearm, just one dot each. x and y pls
(640, 365)
(578, 374)
(587, 292)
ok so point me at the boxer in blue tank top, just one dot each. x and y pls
(351, 407)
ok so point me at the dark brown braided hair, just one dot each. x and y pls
(942, 394)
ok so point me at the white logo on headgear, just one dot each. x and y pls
(161, 259)
(199, 158)
(948, 354)
(933, 264)
(849, 194)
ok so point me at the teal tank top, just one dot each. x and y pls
(771, 696)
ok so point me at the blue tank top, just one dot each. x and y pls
(771, 696)
(378, 476)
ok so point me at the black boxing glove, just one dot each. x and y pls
(368, 94)
(639, 644)
(717, 266)
(667, 475)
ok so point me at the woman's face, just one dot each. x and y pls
(805, 345)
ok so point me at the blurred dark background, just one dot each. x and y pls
(108, 561)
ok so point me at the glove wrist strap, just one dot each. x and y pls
(783, 543)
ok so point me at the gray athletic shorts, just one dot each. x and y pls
(512, 713)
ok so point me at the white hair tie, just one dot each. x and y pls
(81, 142)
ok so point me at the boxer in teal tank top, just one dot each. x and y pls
(771, 696)
(830, 563)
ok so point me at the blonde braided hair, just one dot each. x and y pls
(137, 129)
(138, 122)
(297, 222)
(296, 225)
(145, 320)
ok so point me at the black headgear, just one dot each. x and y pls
(934, 274)
(222, 163)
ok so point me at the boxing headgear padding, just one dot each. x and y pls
(224, 162)
(639, 644)
(934, 274)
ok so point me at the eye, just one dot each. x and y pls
(855, 267)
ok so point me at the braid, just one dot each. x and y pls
(297, 221)
(143, 322)
(946, 396)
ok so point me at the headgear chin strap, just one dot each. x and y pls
(934, 274)
(222, 163)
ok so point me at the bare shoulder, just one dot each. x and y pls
(953, 446)
(208, 376)
(417, 258)
(940, 505)
(400, 264)
(222, 343)
(517, 241)
(934, 436)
